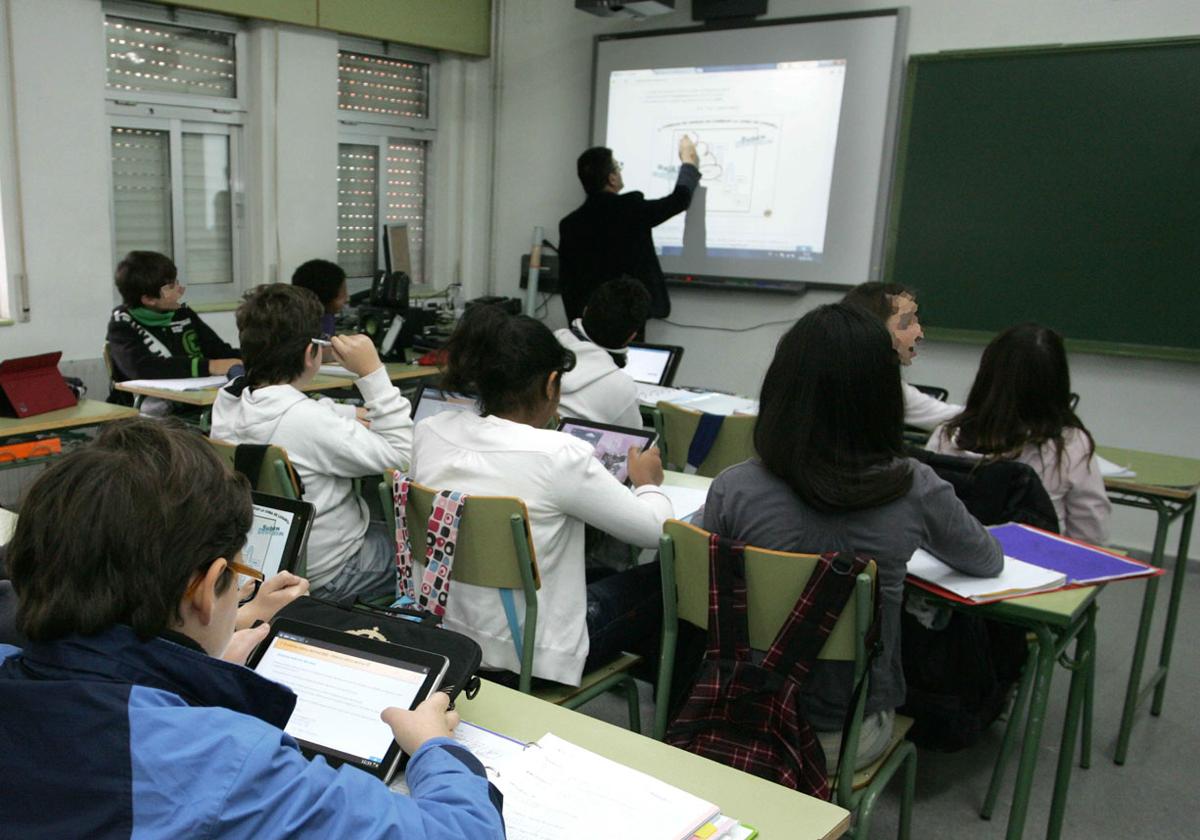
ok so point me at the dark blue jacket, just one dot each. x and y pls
(108, 736)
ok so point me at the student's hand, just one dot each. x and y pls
(360, 414)
(243, 644)
(220, 367)
(275, 593)
(687, 151)
(645, 467)
(431, 719)
(357, 353)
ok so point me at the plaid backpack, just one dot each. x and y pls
(748, 715)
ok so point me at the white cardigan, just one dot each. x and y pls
(1076, 488)
(563, 486)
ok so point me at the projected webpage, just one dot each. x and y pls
(340, 693)
(766, 136)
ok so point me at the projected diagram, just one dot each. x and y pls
(738, 161)
(266, 540)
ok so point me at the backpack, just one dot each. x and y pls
(747, 715)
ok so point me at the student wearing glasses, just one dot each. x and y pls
(515, 365)
(129, 713)
(153, 334)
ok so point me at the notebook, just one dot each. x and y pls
(194, 383)
(1018, 578)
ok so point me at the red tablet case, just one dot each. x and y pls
(32, 385)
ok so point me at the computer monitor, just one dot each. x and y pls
(654, 364)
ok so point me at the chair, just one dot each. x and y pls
(774, 582)
(495, 549)
(276, 477)
(916, 436)
(734, 443)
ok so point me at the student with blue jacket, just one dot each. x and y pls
(127, 714)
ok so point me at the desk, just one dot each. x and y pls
(84, 413)
(777, 812)
(1167, 485)
(397, 372)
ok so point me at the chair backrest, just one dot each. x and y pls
(774, 582)
(486, 553)
(734, 443)
(106, 354)
(276, 476)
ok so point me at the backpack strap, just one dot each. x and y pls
(404, 550)
(728, 630)
(248, 460)
(813, 616)
(702, 440)
(441, 541)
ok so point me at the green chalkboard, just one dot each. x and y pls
(1054, 184)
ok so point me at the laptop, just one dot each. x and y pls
(653, 364)
(430, 401)
(610, 444)
(278, 534)
(32, 385)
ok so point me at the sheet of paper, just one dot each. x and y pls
(491, 748)
(337, 370)
(195, 383)
(652, 394)
(685, 500)
(719, 404)
(1110, 470)
(555, 789)
(1018, 576)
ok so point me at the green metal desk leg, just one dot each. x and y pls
(1033, 733)
(1085, 645)
(1133, 689)
(1089, 694)
(1177, 576)
(1011, 730)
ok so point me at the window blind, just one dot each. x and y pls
(384, 87)
(207, 209)
(153, 57)
(404, 197)
(358, 209)
(141, 172)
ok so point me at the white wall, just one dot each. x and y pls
(544, 72)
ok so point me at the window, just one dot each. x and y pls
(176, 117)
(384, 106)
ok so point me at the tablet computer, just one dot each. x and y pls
(653, 364)
(342, 683)
(430, 401)
(278, 533)
(610, 444)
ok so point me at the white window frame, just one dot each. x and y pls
(366, 129)
(14, 291)
(183, 113)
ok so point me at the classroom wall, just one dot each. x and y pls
(544, 66)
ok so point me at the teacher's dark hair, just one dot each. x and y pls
(594, 166)
(1021, 396)
(831, 413)
(504, 360)
(114, 532)
(878, 298)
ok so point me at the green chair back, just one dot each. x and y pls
(734, 443)
(276, 477)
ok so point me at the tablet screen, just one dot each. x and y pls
(610, 444)
(647, 364)
(434, 401)
(340, 693)
(267, 539)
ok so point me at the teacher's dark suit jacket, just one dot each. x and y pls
(609, 237)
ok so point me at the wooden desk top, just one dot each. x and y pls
(84, 413)
(777, 812)
(397, 372)
(1168, 476)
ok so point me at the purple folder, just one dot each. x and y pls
(1080, 563)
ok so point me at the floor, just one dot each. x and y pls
(1152, 795)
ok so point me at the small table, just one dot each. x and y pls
(776, 811)
(83, 413)
(1165, 484)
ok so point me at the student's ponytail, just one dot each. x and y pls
(504, 360)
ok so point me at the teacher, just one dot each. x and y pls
(609, 235)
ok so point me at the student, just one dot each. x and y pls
(516, 365)
(327, 281)
(831, 476)
(152, 334)
(1019, 409)
(896, 306)
(129, 712)
(348, 555)
(596, 388)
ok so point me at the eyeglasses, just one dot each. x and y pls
(618, 166)
(256, 581)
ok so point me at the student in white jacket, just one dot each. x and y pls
(896, 306)
(597, 388)
(1019, 408)
(515, 365)
(329, 445)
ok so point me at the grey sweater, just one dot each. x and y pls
(750, 503)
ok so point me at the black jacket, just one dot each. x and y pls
(609, 237)
(150, 345)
